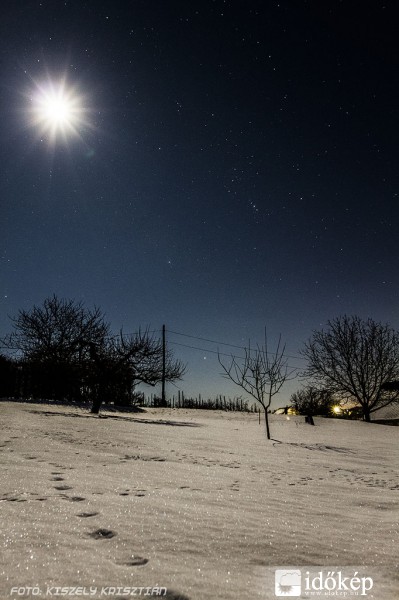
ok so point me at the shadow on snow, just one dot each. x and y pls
(49, 413)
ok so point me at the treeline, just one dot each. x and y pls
(218, 403)
(65, 351)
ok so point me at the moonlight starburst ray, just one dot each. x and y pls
(57, 110)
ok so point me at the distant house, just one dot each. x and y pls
(351, 410)
(285, 410)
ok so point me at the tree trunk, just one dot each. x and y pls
(267, 424)
(366, 415)
(95, 409)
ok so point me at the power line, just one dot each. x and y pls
(221, 353)
(206, 339)
(203, 350)
(226, 344)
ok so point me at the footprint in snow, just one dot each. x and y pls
(74, 498)
(11, 498)
(102, 534)
(133, 561)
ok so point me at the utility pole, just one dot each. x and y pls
(163, 364)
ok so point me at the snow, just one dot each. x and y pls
(198, 502)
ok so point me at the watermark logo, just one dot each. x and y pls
(287, 582)
(325, 583)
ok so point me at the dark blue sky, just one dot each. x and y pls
(237, 167)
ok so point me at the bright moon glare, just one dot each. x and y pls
(57, 110)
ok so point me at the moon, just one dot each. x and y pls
(57, 110)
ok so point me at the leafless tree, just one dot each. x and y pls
(47, 342)
(355, 358)
(260, 373)
(54, 330)
(67, 351)
(312, 401)
(128, 360)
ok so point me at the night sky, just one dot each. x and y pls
(233, 165)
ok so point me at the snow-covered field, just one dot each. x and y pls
(198, 502)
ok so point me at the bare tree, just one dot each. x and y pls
(355, 358)
(66, 351)
(54, 330)
(260, 373)
(312, 401)
(47, 340)
(125, 361)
